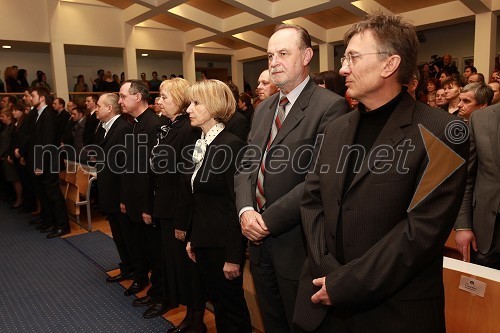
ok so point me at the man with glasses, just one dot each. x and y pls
(376, 256)
(269, 189)
(135, 205)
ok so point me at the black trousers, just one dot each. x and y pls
(135, 238)
(54, 211)
(120, 239)
(230, 308)
(153, 249)
(276, 295)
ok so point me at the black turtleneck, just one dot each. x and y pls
(369, 127)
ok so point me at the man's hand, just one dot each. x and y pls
(321, 296)
(148, 219)
(231, 271)
(462, 239)
(190, 252)
(180, 234)
(16, 153)
(123, 209)
(253, 226)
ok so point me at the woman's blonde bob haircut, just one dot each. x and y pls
(216, 96)
(177, 89)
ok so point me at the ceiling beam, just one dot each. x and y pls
(256, 40)
(317, 33)
(477, 6)
(161, 8)
(198, 17)
(259, 8)
(371, 6)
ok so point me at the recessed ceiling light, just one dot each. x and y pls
(6, 46)
(145, 54)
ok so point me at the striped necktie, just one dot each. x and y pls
(278, 121)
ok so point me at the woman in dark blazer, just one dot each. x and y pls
(18, 144)
(215, 241)
(172, 205)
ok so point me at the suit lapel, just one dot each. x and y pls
(296, 112)
(494, 133)
(390, 135)
(346, 138)
(265, 124)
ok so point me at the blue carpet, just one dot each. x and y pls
(46, 285)
(98, 248)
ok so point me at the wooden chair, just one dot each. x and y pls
(79, 179)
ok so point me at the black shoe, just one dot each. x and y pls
(36, 221)
(48, 228)
(142, 301)
(174, 329)
(41, 226)
(155, 310)
(119, 278)
(135, 288)
(59, 232)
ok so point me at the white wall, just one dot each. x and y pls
(25, 20)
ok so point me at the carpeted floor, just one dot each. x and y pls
(97, 247)
(47, 285)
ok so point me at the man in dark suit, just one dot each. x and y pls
(269, 188)
(479, 220)
(135, 205)
(91, 121)
(44, 164)
(375, 251)
(111, 134)
(62, 117)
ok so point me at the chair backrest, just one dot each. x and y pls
(82, 181)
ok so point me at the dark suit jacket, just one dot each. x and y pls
(61, 121)
(136, 180)
(171, 191)
(91, 123)
(239, 126)
(43, 135)
(482, 195)
(311, 112)
(215, 220)
(393, 257)
(110, 186)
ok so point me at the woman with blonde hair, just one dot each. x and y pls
(215, 241)
(172, 206)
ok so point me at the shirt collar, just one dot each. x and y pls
(294, 94)
(107, 125)
(212, 133)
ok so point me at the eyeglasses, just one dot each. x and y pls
(349, 57)
(122, 96)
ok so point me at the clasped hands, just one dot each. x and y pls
(253, 226)
(231, 271)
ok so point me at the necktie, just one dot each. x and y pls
(101, 133)
(278, 121)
